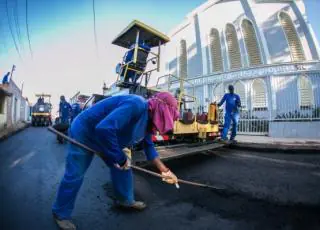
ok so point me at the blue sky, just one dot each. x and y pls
(61, 33)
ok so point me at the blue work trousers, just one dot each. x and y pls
(64, 120)
(234, 117)
(77, 163)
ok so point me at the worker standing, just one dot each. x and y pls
(6, 78)
(64, 110)
(233, 104)
(109, 127)
(75, 110)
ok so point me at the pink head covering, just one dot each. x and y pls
(163, 110)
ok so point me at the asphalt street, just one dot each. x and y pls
(263, 190)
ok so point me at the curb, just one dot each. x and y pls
(273, 147)
(15, 131)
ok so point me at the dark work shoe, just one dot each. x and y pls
(136, 205)
(233, 141)
(224, 141)
(64, 224)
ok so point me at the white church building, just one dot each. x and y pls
(268, 49)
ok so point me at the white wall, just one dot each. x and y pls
(217, 16)
(3, 115)
(309, 129)
(15, 109)
(310, 11)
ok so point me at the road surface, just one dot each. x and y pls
(264, 191)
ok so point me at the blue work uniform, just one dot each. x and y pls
(75, 110)
(231, 114)
(64, 110)
(6, 78)
(107, 127)
(128, 58)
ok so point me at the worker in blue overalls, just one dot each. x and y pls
(112, 126)
(75, 110)
(64, 110)
(233, 104)
(129, 74)
(6, 78)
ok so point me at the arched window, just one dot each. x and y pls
(259, 95)
(241, 91)
(251, 42)
(215, 50)
(218, 92)
(233, 47)
(294, 42)
(183, 60)
(305, 92)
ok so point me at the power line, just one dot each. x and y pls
(27, 26)
(94, 26)
(10, 28)
(4, 40)
(16, 20)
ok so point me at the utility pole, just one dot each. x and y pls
(13, 69)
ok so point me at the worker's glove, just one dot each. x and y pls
(127, 164)
(171, 178)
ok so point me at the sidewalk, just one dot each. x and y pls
(13, 129)
(265, 143)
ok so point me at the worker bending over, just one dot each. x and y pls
(233, 104)
(64, 110)
(109, 127)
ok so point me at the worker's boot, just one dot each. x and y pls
(233, 141)
(136, 205)
(64, 224)
(224, 141)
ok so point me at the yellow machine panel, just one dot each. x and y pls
(180, 128)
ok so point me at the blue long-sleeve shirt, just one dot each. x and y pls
(232, 102)
(65, 109)
(75, 110)
(118, 122)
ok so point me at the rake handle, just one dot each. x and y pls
(137, 168)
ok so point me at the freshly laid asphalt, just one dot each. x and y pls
(263, 190)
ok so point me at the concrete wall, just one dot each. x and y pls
(272, 41)
(3, 113)
(309, 14)
(15, 104)
(24, 110)
(215, 16)
(266, 16)
(285, 92)
(195, 30)
(304, 129)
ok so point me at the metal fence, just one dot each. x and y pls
(291, 97)
(286, 98)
